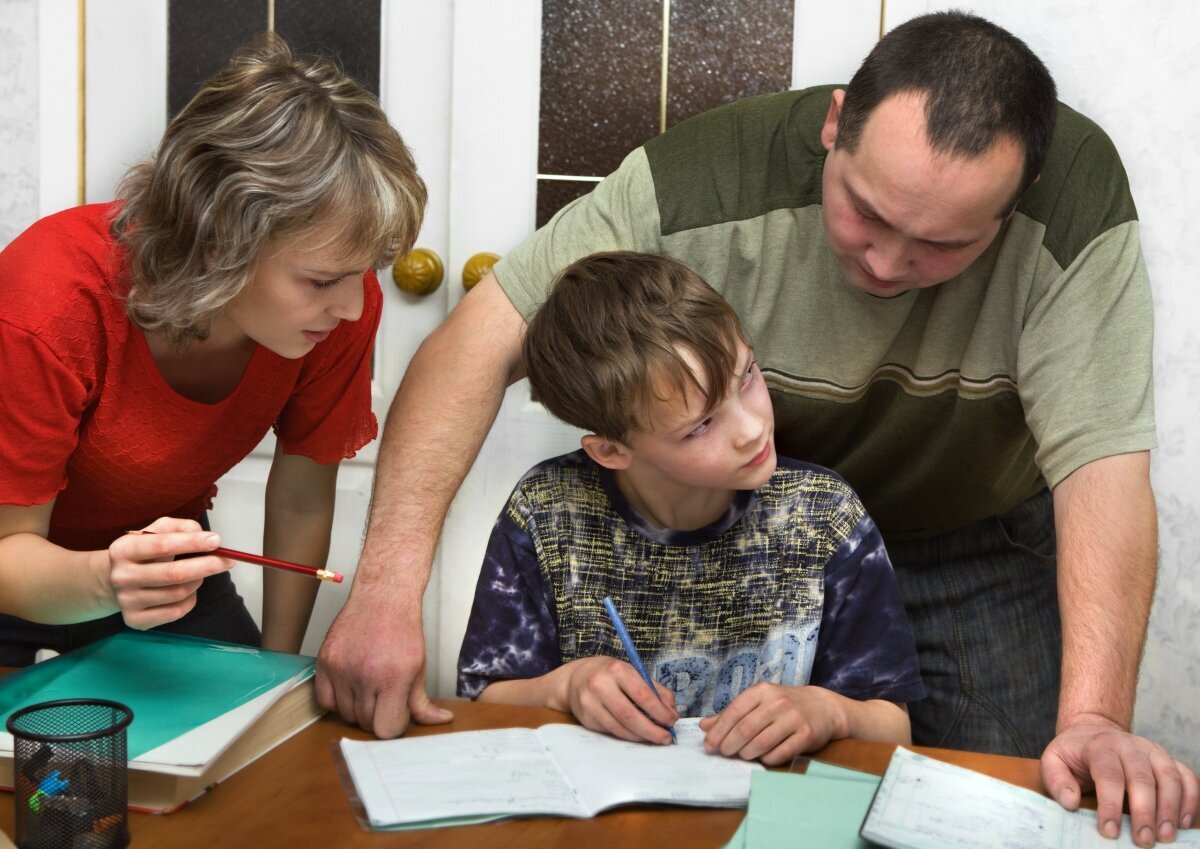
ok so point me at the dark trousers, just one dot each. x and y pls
(983, 603)
(219, 614)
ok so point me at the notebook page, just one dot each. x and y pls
(924, 803)
(606, 771)
(505, 772)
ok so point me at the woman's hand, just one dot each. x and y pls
(148, 583)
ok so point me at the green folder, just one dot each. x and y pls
(822, 807)
(172, 683)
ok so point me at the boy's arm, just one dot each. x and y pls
(512, 632)
(775, 723)
(864, 671)
(510, 651)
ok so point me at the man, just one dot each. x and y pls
(951, 311)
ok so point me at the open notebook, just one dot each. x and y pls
(924, 803)
(202, 709)
(557, 770)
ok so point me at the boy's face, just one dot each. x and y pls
(732, 447)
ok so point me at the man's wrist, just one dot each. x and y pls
(1077, 718)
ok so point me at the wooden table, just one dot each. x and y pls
(291, 797)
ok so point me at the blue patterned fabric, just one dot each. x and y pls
(792, 586)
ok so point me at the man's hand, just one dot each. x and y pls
(774, 723)
(371, 669)
(1096, 753)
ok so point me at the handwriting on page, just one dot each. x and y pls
(486, 772)
(926, 804)
(607, 771)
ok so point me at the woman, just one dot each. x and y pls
(148, 344)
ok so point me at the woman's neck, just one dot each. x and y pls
(204, 370)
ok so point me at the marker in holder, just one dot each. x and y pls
(71, 775)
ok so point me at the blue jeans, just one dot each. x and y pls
(983, 603)
(219, 614)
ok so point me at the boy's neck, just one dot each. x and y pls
(669, 505)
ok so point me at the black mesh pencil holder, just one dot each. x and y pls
(70, 774)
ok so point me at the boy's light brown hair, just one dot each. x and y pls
(603, 350)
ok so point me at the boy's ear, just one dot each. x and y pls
(606, 452)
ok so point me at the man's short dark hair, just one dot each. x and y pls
(980, 82)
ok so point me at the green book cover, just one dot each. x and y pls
(171, 683)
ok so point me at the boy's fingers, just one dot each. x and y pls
(727, 719)
(645, 697)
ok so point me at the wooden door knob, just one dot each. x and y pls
(418, 272)
(476, 267)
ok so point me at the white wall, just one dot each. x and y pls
(1134, 67)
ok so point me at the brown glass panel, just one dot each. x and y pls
(553, 195)
(348, 30)
(201, 36)
(601, 77)
(723, 50)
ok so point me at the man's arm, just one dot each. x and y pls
(1107, 561)
(371, 669)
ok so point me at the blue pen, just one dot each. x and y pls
(627, 642)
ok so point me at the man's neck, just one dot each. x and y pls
(671, 505)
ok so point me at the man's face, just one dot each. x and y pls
(900, 216)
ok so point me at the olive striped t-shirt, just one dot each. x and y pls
(940, 406)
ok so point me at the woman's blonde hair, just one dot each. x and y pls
(272, 147)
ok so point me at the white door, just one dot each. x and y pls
(461, 82)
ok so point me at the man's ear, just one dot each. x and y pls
(606, 452)
(830, 127)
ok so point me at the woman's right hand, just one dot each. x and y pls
(606, 694)
(150, 585)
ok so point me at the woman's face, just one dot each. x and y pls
(298, 294)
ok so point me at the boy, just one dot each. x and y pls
(757, 589)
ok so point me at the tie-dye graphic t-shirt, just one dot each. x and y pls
(791, 586)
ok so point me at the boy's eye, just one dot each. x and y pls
(325, 284)
(699, 429)
(749, 375)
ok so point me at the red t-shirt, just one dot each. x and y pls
(86, 416)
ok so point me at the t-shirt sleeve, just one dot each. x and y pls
(865, 649)
(41, 406)
(1084, 364)
(621, 213)
(512, 632)
(328, 417)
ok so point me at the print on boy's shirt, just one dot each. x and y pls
(704, 684)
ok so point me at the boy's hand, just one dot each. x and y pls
(774, 723)
(606, 694)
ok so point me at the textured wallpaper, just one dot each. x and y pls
(18, 117)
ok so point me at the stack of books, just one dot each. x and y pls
(202, 709)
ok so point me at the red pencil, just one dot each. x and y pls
(259, 560)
